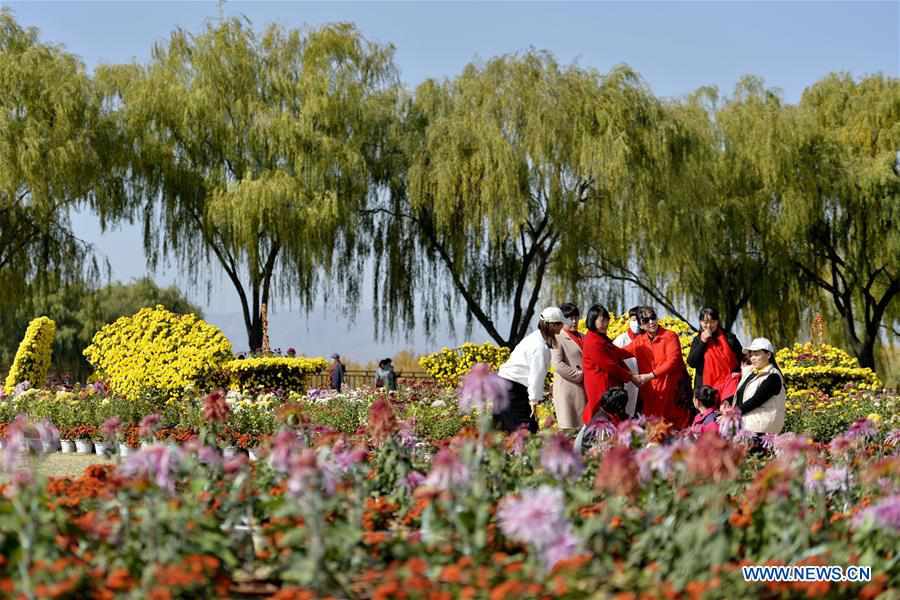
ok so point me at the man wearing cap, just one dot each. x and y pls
(761, 393)
(336, 372)
(525, 370)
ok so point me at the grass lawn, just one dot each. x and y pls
(66, 465)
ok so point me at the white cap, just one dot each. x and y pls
(552, 314)
(761, 344)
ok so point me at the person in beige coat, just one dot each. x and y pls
(568, 378)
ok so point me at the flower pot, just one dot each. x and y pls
(84, 446)
(229, 452)
(100, 448)
(49, 447)
(253, 454)
(68, 446)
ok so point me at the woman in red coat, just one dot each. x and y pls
(663, 374)
(602, 362)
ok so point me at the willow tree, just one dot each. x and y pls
(840, 206)
(258, 146)
(705, 236)
(52, 157)
(503, 165)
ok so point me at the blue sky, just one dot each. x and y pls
(676, 46)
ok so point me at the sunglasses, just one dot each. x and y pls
(648, 319)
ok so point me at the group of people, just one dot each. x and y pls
(385, 376)
(642, 371)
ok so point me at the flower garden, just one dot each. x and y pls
(267, 489)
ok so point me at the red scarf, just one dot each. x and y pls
(577, 338)
(719, 361)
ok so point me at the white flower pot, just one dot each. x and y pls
(84, 446)
(49, 447)
(229, 451)
(68, 446)
(100, 448)
(253, 454)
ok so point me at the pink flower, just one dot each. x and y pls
(814, 479)
(235, 463)
(564, 546)
(414, 479)
(628, 431)
(654, 459)
(158, 463)
(884, 515)
(447, 471)
(729, 421)
(215, 408)
(282, 446)
(304, 468)
(790, 444)
(406, 433)
(863, 428)
(515, 442)
(892, 439)
(836, 479)
(534, 517)
(482, 390)
(148, 425)
(559, 458)
(110, 427)
(209, 456)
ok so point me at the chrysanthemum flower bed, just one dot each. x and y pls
(384, 513)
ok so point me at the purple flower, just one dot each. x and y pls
(863, 428)
(414, 479)
(99, 387)
(406, 433)
(48, 434)
(282, 446)
(836, 479)
(481, 388)
(559, 458)
(110, 427)
(767, 441)
(566, 545)
(535, 517)
(148, 425)
(21, 388)
(841, 444)
(235, 463)
(790, 444)
(600, 429)
(304, 467)
(654, 459)
(742, 436)
(885, 514)
(729, 421)
(209, 456)
(627, 430)
(447, 471)
(814, 480)
(157, 463)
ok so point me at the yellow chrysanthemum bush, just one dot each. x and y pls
(272, 373)
(159, 352)
(827, 390)
(32, 359)
(449, 365)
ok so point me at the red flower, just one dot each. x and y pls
(215, 408)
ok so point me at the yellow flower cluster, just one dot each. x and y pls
(813, 372)
(449, 365)
(272, 372)
(157, 351)
(32, 359)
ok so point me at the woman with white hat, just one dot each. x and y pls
(525, 370)
(761, 392)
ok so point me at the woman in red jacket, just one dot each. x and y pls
(602, 362)
(663, 376)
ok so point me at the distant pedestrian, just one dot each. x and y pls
(291, 353)
(385, 377)
(336, 372)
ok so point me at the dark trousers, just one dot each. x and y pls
(518, 413)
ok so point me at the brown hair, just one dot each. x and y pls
(547, 332)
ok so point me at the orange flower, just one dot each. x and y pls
(417, 566)
(874, 588)
(160, 593)
(508, 589)
(451, 574)
(119, 579)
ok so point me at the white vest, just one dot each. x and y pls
(768, 418)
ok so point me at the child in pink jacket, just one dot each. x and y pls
(706, 401)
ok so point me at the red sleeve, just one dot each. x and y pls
(609, 362)
(672, 355)
(621, 353)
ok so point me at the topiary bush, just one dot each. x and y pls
(272, 373)
(155, 351)
(32, 359)
(449, 365)
(811, 370)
